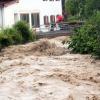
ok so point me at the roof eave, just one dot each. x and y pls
(7, 2)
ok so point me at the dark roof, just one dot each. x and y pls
(3, 2)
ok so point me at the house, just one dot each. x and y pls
(37, 13)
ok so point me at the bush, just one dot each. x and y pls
(18, 34)
(73, 18)
(87, 38)
(23, 30)
(13, 35)
(5, 38)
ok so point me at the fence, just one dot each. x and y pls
(66, 26)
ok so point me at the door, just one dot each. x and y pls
(35, 20)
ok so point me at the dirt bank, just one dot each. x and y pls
(30, 72)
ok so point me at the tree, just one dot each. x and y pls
(82, 8)
(91, 7)
(87, 38)
(72, 7)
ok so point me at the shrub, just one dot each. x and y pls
(87, 38)
(12, 33)
(19, 33)
(5, 40)
(23, 29)
(73, 18)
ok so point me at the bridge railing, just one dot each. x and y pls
(58, 26)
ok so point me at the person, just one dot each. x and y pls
(52, 26)
(59, 20)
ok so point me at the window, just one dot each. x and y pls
(35, 20)
(24, 17)
(46, 20)
(15, 17)
(52, 19)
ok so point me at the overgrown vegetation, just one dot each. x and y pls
(82, 9)
(18, 34)
(87, 38)
(24, 31)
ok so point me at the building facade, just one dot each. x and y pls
(37, 13)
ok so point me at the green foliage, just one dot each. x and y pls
(23, 30)
(81, 40)
(5, 40)
(87, 38)
(12, 33)
(91, 7)
(6, 37)
(73, 18)
(18, 34)
(82, 8)
(72, 7)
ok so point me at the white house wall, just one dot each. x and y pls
(9, 15)
(31, 6)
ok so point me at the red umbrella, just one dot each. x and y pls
(59, 18)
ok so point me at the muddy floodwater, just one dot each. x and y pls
(37, 72)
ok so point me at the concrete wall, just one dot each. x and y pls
(31, 6)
